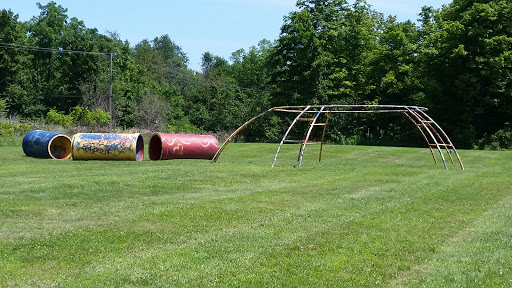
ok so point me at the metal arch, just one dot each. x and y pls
(416, 114)
(323, 136)
(216, 156)
(424, 124)
(287, 132)
(449, 142)
(424, 136)
(305, 142)
(429, 125)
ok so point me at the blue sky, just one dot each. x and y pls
(218, 26)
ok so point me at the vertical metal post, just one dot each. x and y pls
(305, 142)
(323, 136)
(110, 94)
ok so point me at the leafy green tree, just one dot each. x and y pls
(250, 71)
(79, 116)
(150, 60)
(82, 68)
(176, 60)
(393, 64)
(467, 61)
(46, 31)
(60, 65)
(220, 104)
(394, 79)
(11, 32)
(296, 74)
(322, 54)
(166, 75)
(15, 67)
(360, 29)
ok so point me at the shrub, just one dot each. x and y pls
(59, 118)
(501, 140)
(84, 116)
(100, 117)
(10, 134)
(3, 107)
(6, 129)
(80, 116)
(182, 125)
(22, 129)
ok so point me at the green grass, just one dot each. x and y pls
(363, 217)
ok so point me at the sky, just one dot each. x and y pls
(218, 26)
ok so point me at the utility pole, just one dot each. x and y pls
(110, 100)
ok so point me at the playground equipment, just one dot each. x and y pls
(182, 146)
(431, 131)
(98, 146)
(45, 144)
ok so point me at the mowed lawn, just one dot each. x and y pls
(363, 217)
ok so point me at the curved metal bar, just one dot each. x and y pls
(412, 112)
(305, 142)
(439, 137)
(216, 156)
(432, 136)
(287, 132)
(344, 111)
(424, 136)
(301, 107)
(447, 138)
(323, 136)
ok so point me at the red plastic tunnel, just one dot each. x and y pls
(182, 146)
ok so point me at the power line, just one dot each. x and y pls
(60, 50)
(234, 86)
(69, 96)
(42, 49)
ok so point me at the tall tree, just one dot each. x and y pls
(46, 31)
(79, 68)
(15, 66)
(11, 33)
(467, 62)
(299, 57)
(171, 52)
(151, 60)
(250, 71)
(322, 53)
(393, 79)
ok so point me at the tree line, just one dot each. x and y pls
(457, 61)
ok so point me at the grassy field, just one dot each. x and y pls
(363, 217)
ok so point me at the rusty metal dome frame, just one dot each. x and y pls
(433, 134)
